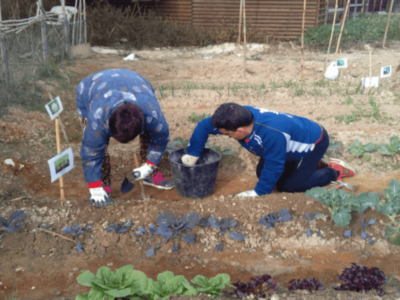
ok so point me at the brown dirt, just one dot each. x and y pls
(51, 264)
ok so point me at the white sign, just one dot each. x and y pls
(386, 71)
(370, 82)
(54, 108)
(341, 63)
(61, 163)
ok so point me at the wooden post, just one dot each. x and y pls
(4, 52)
(84, 20)
(240, 21)
(326, 11)
(341, 28)
(387, 24)
(244, 30)
(373, 6)
(44, 34)
(66, 29)
(62, 196)
(333, 30)
(302, 39)
(73, 24)
(380, 6)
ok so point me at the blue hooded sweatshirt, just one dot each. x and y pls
(277, 137)
(97, 96)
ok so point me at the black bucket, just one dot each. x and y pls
(197, 181)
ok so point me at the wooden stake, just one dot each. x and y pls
(341, 28)
(302, 40)
(240, 21)
(62, 196)
(333, 30)
(144, 197)
(244, 30)
(380, 7)
(387, 24)
(53, 233)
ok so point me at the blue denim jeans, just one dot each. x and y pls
(302, 175)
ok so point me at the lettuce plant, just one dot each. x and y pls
(360, 279)
(166, 285)
(13, 226)
(212, 286)
(123, 282)
(339, 203)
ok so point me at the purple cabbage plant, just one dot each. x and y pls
(172, 227)
(76, 229)
(224, 225)
(12, 226)
(269, 220)
(310, 284)
(311, 217)
(118, 228)
(260, 286)
(358, 279)
(364, 235)
(152, 230)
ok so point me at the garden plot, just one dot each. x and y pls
(45, 266)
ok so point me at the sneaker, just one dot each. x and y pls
(323, 163)
(340, 166)
(158, 181)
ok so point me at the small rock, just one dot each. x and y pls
(32, 288)
(4, 125)
(274, 297)
(75, 269)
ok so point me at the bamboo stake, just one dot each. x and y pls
(240, 21)
(53, 233)
(341, 28)
(380, 7)
(84, 20)
(333, 30)
(144, 197)
(302, 40)
(80, 21)
(73, 24)
(62, 196)
(387, 24)
(244, 30)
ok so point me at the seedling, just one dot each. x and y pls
(197, 118)
(212, 286)
(170, 226)
(358, 149)
(361, 279)
(13, 226)
(270, 219)
(118, 228)
(79, 247)
(76, 230)
(312, 217)
(224, 225)
(310, 284)
(152, 231)
(390, 149)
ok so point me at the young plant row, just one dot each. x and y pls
(127, 283)
(133, 284)
(340, 205)
(358, 149)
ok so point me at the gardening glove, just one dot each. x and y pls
(247, 194)
(143, 171)
(99, 197)
(189, 160)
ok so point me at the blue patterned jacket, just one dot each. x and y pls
(96, 98)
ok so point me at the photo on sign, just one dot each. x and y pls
(386, 71)
(61, 164)
(54, 108)
(341, 63)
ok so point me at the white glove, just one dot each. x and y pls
(189, 160)
(99, 197)
(143, 171)
(247, 194)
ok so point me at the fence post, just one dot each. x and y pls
(44, 34)
(387, 24)
(66, 25)
(4, 51)
(84, 20)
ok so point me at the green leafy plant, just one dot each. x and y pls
(197, 118)
(390, 149)
(212, 286)
(339, 203)
(358, 149)
(166, 285)
(123, 282)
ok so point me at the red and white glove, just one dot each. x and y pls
(99, 195)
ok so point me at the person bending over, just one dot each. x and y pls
(121, 104)
(290, 147)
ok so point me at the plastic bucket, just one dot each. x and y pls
(197, 181)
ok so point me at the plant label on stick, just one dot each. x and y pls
(386, 71)
(54, 108)
(370, 82)
(341, 63)
(61, 163)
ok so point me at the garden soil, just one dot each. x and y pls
(39, 265)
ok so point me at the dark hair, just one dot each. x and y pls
(126, 122)
(230, 116)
